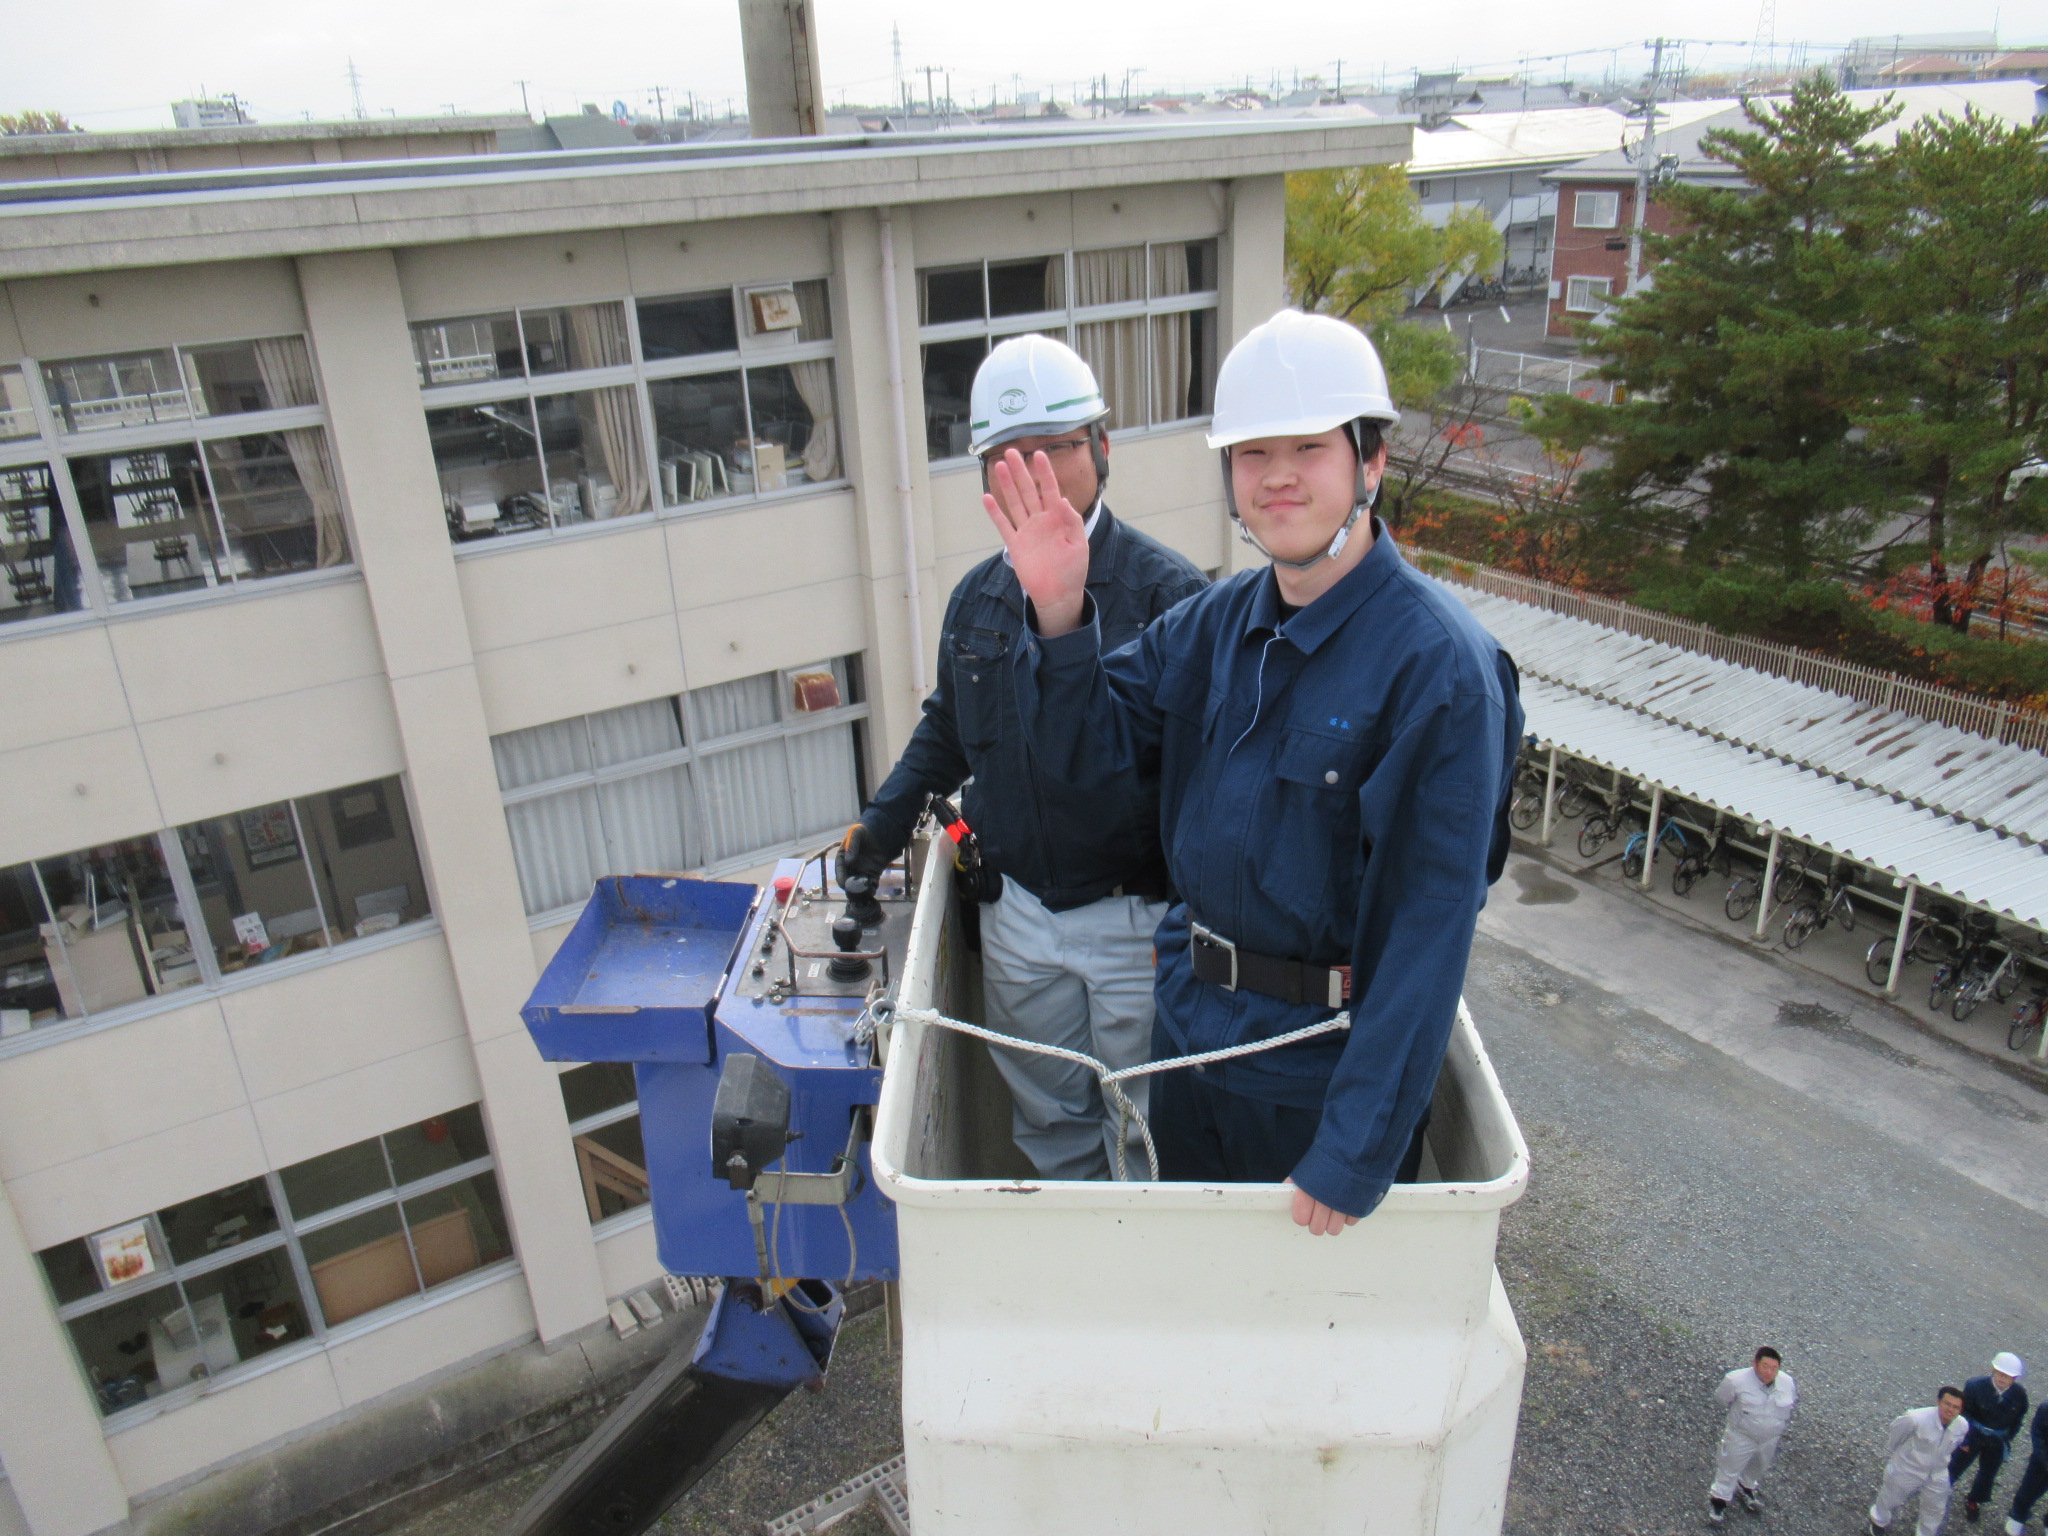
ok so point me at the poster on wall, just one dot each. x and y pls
(125, 1253)
(269, 835)
(361, 815)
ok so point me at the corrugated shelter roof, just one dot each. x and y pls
(1937, 853)
(1930, 766)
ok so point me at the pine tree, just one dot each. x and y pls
(1746, 358)
(1962, 393)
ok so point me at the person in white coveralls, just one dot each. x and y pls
(1759, 1398)
(1916, 1462)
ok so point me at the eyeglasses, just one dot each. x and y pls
(1052, 451)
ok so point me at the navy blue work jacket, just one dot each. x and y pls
(1333, 788)
(1066, 849)
(2041, 1434)
(1991, 1413)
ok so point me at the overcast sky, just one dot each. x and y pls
(119, 63)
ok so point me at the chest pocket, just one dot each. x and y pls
(981, 677)
(1187, 694)
(1319, 778)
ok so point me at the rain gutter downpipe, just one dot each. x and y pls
(906, 511)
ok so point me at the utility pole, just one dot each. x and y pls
(524, 109)
(931, 100)
(1340, 79)
(659, 115)
(896, 49)
(1646, 167)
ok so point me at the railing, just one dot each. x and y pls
(1532, 373)
(1998, 721)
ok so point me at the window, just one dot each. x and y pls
(36, 554)
(398, 1214)
(719, 778)
(602, 1102)
(1588, 295)
(1144, 317)
(88, 933)
(546, 418)
(166, 1302)
(185, 468)
(1596, 210)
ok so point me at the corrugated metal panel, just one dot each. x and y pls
(1999, 786)
(1936, 852)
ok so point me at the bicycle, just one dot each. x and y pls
(1607, 820)
(2028, 1017)
(1742, 897)
(1812, 916)
(1791, 875)
(1976, 982)
(1636, 849)
(1928, 940)
(1685, 874)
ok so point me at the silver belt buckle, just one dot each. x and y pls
(1201, 935)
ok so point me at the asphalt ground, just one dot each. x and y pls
(1726, 1150)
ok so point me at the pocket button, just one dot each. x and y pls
(1330, 777)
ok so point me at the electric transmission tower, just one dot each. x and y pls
(1763, 50)
(355, 87)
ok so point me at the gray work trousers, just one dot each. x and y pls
(1900, 1485)
(1742, 1462)
(1081, 979)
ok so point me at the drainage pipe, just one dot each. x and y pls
(906, 511)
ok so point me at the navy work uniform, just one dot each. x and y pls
(1067, 949)
(2033, 1481)
(1995, 1417)
(1333, 788)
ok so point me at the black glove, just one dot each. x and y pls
(861, 854)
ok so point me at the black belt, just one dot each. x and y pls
(1223, 964)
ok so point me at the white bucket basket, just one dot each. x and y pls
(1181, 1359)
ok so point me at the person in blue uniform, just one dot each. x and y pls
(1067, 945)
(1996, 1406)
(1334, 738)
(2033, 1481)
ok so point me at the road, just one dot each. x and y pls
(1726, 1151)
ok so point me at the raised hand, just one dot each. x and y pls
(1046, 538)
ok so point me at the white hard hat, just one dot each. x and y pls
(1297, 375)
(1031, 386)
(2010, 1363)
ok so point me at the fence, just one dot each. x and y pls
(1998, 721)
(1531, 373)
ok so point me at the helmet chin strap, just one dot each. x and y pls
(1363, 499)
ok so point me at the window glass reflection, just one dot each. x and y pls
(591, 448)
(150, 520)
(700, 436)
(795, 424)
(366, 865)
(36, 558)
(575, 337)
(457, 1228)
(1026, 287)
(255, 889)
(470, 350)
(226, 1218)
(489, 462)
(360, 1264)
(949, 368)
(947, 294)
(267, 375)
(140, 1347)
(280, 508)
(688, 325)
(255, 1304)
(128, 389)
(17, 415)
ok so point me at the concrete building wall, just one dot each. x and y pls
(405, 662)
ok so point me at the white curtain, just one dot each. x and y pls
(287, 371)
(726, 709)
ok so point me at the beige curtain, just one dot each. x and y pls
(598, 339)
(1173, 353)
(287, 371)
(814, 383)
(308, 448)
(821, 453)
(616, 413)
(1115, 349)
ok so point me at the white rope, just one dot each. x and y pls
(1112, 1078)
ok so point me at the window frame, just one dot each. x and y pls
(1601, 299)
(633, 1215)
(995, 329)
(1580, 199)
(787, 727)
(213, 982)
(290, 1229)
(638, 373)
(53, 448)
